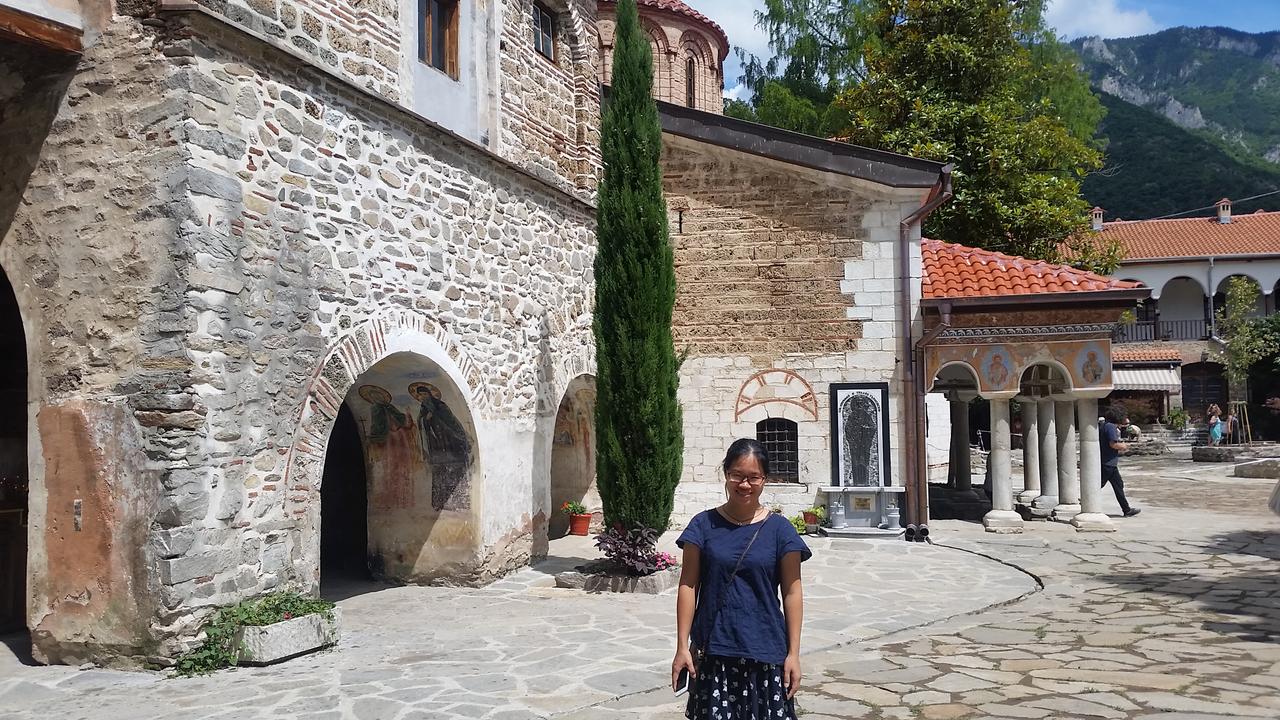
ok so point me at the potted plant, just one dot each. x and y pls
(813, 517)
(579, 518)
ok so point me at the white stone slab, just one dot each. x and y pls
(281, 641)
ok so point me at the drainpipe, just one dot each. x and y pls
(913, 414)
(1213, 312)
(920, 429)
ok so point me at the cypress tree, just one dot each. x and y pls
(640, 438)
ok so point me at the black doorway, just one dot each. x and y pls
(13, 464)
(344, 508)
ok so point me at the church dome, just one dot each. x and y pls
(689, 50)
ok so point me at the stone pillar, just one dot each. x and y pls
(960, 456)
(1030, 452)
(1091, 516)
(1068, 467)
(1002, 518)
(1043, 505)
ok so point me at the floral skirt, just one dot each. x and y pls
(738, 689)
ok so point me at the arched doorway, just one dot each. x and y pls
(344, 507)
(420, 476)
(13, 463)
(573, 455)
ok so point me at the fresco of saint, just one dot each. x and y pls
(395, 458)
(446, 449)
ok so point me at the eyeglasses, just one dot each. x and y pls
(737, 479)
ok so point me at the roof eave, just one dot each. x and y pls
(1092, 297)
(1194, 258)
(877, 166)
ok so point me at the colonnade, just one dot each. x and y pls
(1062, 462)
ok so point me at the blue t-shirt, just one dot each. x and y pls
(750, 622)
(1110, 434)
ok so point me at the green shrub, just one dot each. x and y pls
(1179, 419)
(798, 522)
(218, 649)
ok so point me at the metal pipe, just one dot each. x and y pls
(918, 507)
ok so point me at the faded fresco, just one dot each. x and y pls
(418, 439)
(861, 443)
(446, 448)
(1000, 366)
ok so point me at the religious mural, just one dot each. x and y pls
(393, 454)
(860, 429)
(447, 449)
(999, 367)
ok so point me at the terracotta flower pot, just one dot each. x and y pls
(580, 524)
(810, 518)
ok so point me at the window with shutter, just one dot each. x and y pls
(438, 44)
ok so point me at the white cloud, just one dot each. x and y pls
(1074, 18)
(738, 19)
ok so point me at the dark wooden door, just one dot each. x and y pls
(13, 571)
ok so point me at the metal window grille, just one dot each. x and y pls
(544, 31)
(781, 439)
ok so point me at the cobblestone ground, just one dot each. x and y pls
(1175, 617)
(514, 650)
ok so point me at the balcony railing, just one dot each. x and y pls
(1153, 330)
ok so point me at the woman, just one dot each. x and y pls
(1215, 425)
(738, 557)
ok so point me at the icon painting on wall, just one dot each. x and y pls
(394, 456)
(860, 434)
(447, 449)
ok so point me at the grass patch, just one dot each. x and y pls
(218, 649)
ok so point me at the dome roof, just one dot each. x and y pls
(680, 8)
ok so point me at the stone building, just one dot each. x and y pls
(288, 275)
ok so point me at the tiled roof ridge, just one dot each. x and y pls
(680, 8)
(953, 271)
(1212, 219)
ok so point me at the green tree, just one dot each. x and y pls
(638, 421)
(945, 81)
(1245, 340)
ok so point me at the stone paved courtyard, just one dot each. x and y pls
(1176, 617)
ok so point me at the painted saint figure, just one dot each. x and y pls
(1092, 369)
(394, 454)
(446, 449)
(860, 423)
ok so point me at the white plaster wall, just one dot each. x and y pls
(938, 435)
(465, 106)
(1182, 299)
(1157, 275)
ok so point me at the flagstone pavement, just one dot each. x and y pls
(1175, 617)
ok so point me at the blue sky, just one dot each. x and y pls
(1073, 18)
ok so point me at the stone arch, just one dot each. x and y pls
(573, 454)
(696, 54)
(1219, 296)
(1043, 377)
(662, 70)
(348, 362)
(17, 464)
(954, 372)
(776, 393)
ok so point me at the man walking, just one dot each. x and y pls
(1111, 449)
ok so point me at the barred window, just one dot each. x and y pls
(544, 31)
(781, 440)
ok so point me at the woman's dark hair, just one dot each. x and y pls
(1114, 415)
(743, 449)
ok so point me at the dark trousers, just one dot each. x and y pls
(1111, 474)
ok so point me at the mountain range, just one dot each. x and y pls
(1193, 116)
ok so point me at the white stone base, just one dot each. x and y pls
(280, 641)
(1026, 497)
(1093, 522)
(1064, 513)
(1002, 521)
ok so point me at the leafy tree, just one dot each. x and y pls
(945, 81)
(638, 420)
(1245, 340)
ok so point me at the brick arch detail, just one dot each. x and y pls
(800, 409)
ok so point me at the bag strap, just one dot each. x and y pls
(729, 578)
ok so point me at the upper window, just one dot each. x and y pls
(438, 46)
(781, 439)
(691, 83)
(544, 31)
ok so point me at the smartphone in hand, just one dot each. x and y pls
(682, 682)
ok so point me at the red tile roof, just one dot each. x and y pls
(679, 8)
(1254, 234)
(1141, 354)
(955, 271)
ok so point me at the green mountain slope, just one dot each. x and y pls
(1221, 84)
(1155, 168)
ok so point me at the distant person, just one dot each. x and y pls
(1215, 425)
(1130, 431)
(1112, 446)
(1232, 432)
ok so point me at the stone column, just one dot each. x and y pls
(1043, 505)
(1030, 452)
(960, 456)
(1002, 518)
(1068, 467)
(1091, 516)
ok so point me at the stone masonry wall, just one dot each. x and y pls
(550, 119)
(319, 212)
(673, 38)
(784, 270)
(90, 165)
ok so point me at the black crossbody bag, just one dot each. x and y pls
(700, 653)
